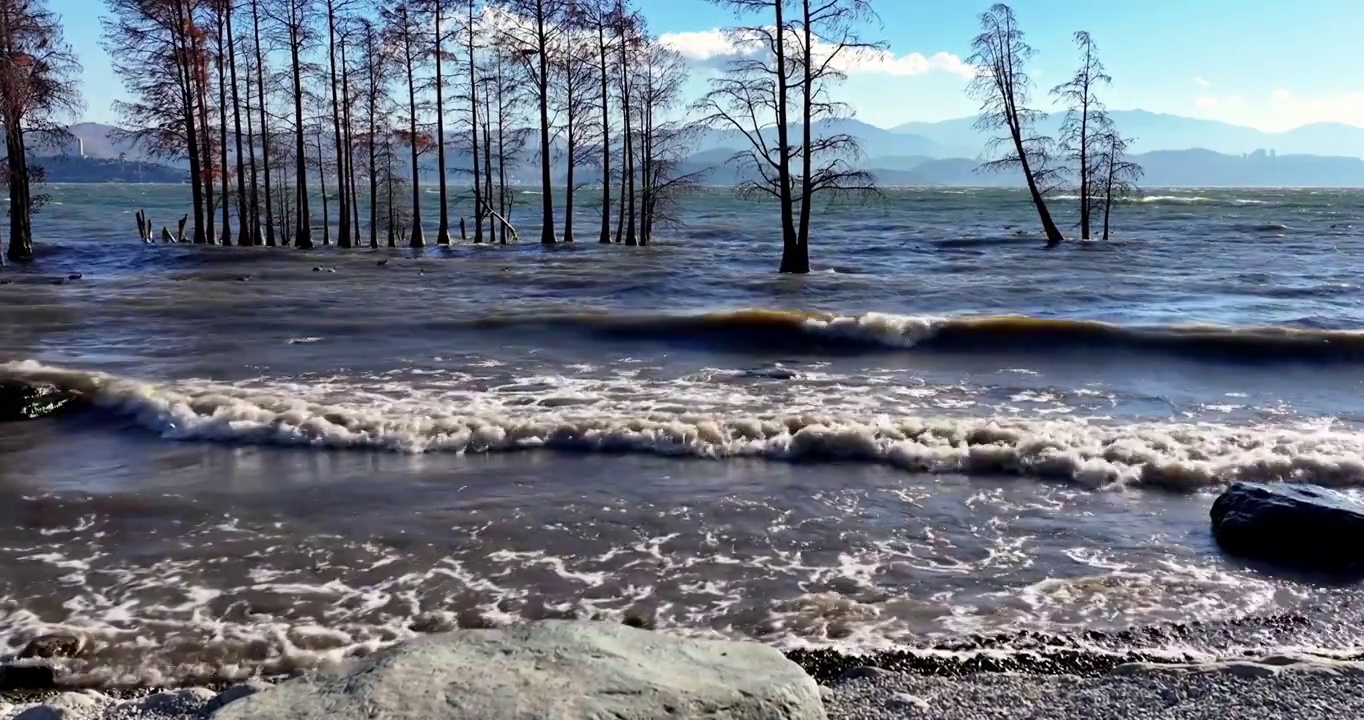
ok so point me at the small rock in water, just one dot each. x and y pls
(51, 646)
(1302, 526)
(22, 401)
(27, 677)
(383, 262)
(243, 278)
(75, 276)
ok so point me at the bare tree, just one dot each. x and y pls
(438, 13)
(220, 9)
(1117, 176)
(664, 143)
(246, 234)
(601, 17)
(573, 78)
(404, 27)
(375, 103)
(152, 48)
(297, 34)
(629, 40)
(336, 10)
(262, 104)
(1086, 121)
(470, 37)
(534, 42)
(1002, 85)
(38, 89)
(783, 79)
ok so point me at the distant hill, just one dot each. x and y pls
(1157, 131)
(1164, 168)
(941, 153)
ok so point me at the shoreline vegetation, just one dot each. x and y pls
(292, 115)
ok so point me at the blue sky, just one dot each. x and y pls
(1271, 64)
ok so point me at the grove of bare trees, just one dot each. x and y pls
(1090, 153)
(277, 104)
(306, 121)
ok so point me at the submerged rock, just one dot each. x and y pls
(24, 401)
(51, 646)
(553, 670)
(1305, 527)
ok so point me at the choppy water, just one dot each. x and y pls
(297, 457)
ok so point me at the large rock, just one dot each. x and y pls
(23, 401)
(553, 670)
(1302, 526)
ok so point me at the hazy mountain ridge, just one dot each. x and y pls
(944, 153)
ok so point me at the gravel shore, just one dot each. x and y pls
(1153, 696)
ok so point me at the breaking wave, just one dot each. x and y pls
(1178, 456)
(817, 331)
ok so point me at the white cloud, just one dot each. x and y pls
(1201, 82)
(716, 46)
(1283, 109)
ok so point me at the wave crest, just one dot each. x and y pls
(782, 330)
(1173, 456)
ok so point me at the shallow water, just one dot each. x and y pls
(299, 456)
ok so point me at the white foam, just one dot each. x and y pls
(1174, 455)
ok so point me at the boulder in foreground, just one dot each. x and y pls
(1304, 527)
(553, 670)
(23, 401)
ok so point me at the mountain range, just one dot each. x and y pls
(1174, 150)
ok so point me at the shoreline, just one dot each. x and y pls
(1081, 654)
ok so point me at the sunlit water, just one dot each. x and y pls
(300, 456)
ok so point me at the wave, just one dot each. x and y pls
(782, 330)
(1178, 200)
(1170, 455)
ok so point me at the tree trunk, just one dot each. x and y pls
(605, 236)
(572, 152)
(546, 182)
(443, 233)
(348, 129)
(184, 68)
(342, 207)
(20, 200)
(795, 258)
(631, 239)
(801, 262)
(222, 126)
(418, 239)
(199, 77)
(256, 237)
(264, 127)
(322, 190)
(473, 129)
(1108, 189)
(303, 222)
(373, 177)
(245, 236)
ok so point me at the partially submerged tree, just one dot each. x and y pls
(1086, 122)
(664, 141)
(1117, 176)
(780, 85)
(156, 47)
(374, 105)
(534, 42)
(38, 90)
(404, 28)
(297, 34)
(1002, 85)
